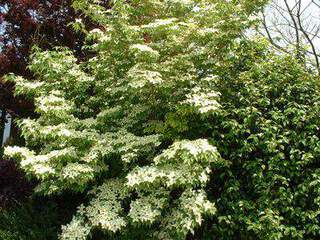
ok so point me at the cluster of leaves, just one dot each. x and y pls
(176, 126)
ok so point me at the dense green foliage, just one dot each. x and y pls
(178, 126)
(269, 130)
(32, 220)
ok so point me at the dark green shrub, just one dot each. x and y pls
(37, 218)
(29, 221)
(269, 130)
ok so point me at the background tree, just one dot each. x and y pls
(28, 22)
(294, 26)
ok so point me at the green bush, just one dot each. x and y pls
(30, 221)
(37, 217)
(269, 129)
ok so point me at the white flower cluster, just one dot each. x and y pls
(140, 78)
(204, 101)
(173, 169)
(144, 52)
(185, 163)
(104, 211)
